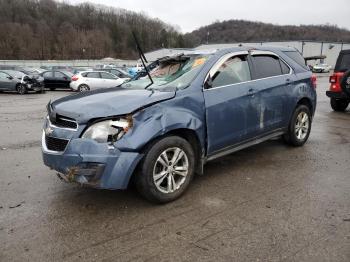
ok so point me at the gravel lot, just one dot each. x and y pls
(266, 203)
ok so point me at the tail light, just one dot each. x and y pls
(75, 78)
(314, 81)
(335, 81)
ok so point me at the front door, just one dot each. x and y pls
(5, 81)
(232, 103)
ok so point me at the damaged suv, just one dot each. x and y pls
(160, 130)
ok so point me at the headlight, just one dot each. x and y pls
(108, 131)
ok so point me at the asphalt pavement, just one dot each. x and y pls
(270, 202)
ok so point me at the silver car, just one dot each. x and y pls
(91, 80)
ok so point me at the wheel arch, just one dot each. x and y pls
(189, 135)
(307, 102)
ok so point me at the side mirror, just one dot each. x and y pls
(208, 83)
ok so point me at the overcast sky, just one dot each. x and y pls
(192, 14)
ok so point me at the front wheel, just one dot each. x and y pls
(299, 127)
(166, 170)
(21, 89)
(339, 105)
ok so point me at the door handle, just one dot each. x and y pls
(252, 92)
(288, 81)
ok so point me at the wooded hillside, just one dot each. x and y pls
(232, 31)
(45, 29)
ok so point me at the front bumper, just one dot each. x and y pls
(90, 163)
(337, 95)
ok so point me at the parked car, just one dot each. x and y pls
(321, 68)
(201, 106)
(57, 79)
(117, 72)
(92, 80)
(79, 69)
(63, 68)
(339, 90)
(19, 82)
(134, 70)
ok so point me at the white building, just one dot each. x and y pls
(307, 48)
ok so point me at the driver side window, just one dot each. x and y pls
(234, 70)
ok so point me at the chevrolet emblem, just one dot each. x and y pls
(48, 131)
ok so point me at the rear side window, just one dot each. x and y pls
(234, 70)
(296, 57)
(285, 68)
(59, 75)
(48, 74)
(93, 75)
(266, 66)
(107, 76)
(343, 63)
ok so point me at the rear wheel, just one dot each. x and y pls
(21, 89)
(84, 88)
(166, 170)
(339, 105)
(299, 126)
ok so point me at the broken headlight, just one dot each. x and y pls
(108, 131)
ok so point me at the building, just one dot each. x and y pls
(306, 48)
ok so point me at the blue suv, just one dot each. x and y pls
(201, 106)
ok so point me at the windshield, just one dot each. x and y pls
(174, 72)
(15, 73)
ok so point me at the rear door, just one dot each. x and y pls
(273, 77)
(110, 80)
(61, 80)
(232, 104)
(49, 80)
(93, 80)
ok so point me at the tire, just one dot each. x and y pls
(299, 127)
(21, 89)
(158, 178)
(345, 83)
(339, 105)
(83, 88)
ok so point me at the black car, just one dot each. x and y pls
(57, 79)
(339, 91)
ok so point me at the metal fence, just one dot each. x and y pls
(88, 63)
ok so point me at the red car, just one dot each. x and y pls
(339, 91)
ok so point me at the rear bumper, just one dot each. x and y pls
(87, 162)
(337, 95)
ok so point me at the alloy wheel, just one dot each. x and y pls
(302, 126)
(170, 170)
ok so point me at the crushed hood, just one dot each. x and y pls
(106, 102)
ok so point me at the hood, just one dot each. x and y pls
(106, 102)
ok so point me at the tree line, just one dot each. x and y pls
(233, 31)
(45, 29)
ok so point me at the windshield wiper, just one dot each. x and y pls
(143, 59)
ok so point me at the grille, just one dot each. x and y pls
(64, 122)
(55, 144)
